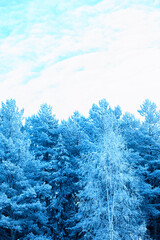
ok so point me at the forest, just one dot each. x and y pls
(84, 178)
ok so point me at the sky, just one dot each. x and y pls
(71, 54)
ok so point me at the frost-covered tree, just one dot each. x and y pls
(21, 212)
(109, 205)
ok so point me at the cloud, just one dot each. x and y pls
(71, 55)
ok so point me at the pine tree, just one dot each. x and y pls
(76, 142)
(20, 211)
(43, 132)
(143, 138)
(148, 146)
(62, 206)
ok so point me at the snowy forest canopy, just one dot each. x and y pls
(89, 178)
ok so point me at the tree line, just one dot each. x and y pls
(85, 178)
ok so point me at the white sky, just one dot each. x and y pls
(72, 55)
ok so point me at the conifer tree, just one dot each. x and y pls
(43, 132)
(21, 213)
(148, 146)
(76, 142)
(63, 205)
(143, 138)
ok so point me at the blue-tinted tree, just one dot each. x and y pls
(63, 204)
(75, 134)
(109, 200)
(43, 132)
(21, 212)
(148, 146)
(143, 139)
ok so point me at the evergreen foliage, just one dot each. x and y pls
(88, 178)
(21, 212)
(144, 139)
